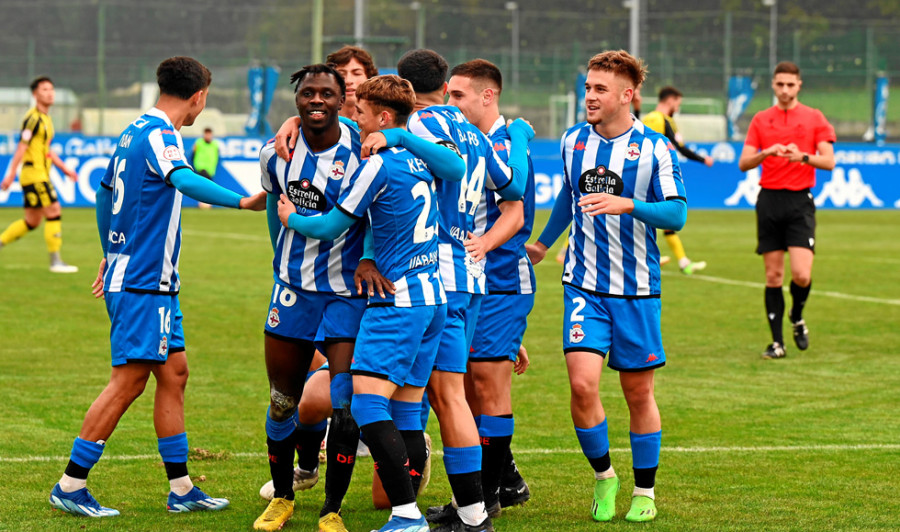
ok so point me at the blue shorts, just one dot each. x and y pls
(628, 329)
(501, 326)
(462, 315)
(311, 316)
(143, 328)
(399, 344)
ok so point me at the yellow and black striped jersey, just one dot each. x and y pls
(37, 132)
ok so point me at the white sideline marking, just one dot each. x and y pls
(573, 450)
(826, 293)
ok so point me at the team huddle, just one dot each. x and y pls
(399, 207)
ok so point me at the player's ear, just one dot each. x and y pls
(487, 96)
(444, 90)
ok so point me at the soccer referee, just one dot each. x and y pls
(790, 140)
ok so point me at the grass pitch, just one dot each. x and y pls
(809, 442)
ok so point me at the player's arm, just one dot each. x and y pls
(823, 159)
(670, 214)
(367, 271)
(326, 227)
(286, 138)
(195, 186)
(682, 149)
(560, 218)
(57, 162)
(272, 219)
(14, 165)
(520, 133)
(443, 162)
(511, 219)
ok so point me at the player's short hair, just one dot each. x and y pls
(482, 70)
(391, 92)
(207, 130)
(319, 68)
(347, 53)
(787, 67)
(668, 92)
(38, 80)
(425, 69)
(620, 63)
(182, 77)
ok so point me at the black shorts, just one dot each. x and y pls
(40, 194)
(785, 218)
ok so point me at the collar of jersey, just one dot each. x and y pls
(159, 113)
(604, 139)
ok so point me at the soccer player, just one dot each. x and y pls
(661, 120)
(40, 196)
(791, 141)
(399, 335)
(139, 221)
(461, 272)
(621, 183)
(205, 157)
(505, 226)
(355, 65)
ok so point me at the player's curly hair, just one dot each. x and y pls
(319, 68)
(391, 92)
(620, 63)
(425, 69)
(182, 77)
(481, 70)
(347, 53)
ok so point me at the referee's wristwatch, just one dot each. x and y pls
(805, 158)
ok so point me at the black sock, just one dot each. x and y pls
(175, 469)
(281, 465)
(389, 452)
(775, 312)
(494, 451)
(511, 476)
(645, 478)
(418, 454)
(601, 464)
(466, 488)
(799, 294)
(76, 471)
(308, 443)
(343, 439)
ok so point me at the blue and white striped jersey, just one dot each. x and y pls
(458, 201)
(313, 181)
(397, 191)
(145, 225)
(508, 269)
(608, 254)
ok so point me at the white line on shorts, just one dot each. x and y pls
(571, 450)
(826, 293)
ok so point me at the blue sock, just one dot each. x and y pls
(341, 390)
(645, 449)
(406, 415)
(594, 441)
(461, 460)
(280, 430)
(174, 448)
(86, 453)
(369, 408)
(426, 410)
(494, 427)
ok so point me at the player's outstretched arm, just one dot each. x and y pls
(327, 227)
(520, 133)
(443, 162)
(666, 215)
(201, 189)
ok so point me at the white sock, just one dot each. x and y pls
(409, 511)
(181, 486)
(603, 475)
(69, 484)
(473, 514)
(646, 492)
(684, 262)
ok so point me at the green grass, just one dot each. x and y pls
(748, 444)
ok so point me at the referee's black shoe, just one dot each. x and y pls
(801, 335)
(775, 350)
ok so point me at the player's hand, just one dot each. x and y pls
(536, 252)
(522, 125)
(521, 364)
(475, 246)
(603, 203)
(374, 142)
(285, 210)
(775, 150)
(71, 174)
(256, 202)
(708, 161)
(97, 285)
(368, 273)
(7, 181)
(286, 138)
(792, 153)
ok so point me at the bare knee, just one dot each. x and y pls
(281, 405)
(32, 218)
(774, 278)
(585, 393)
(801, 278)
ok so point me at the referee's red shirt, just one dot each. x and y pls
(804, 126)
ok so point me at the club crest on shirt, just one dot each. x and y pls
(337, 170)
(576, 334)
(633, 152)
(163, 346)
(273, 319)
(601, 179)
(303, 194)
